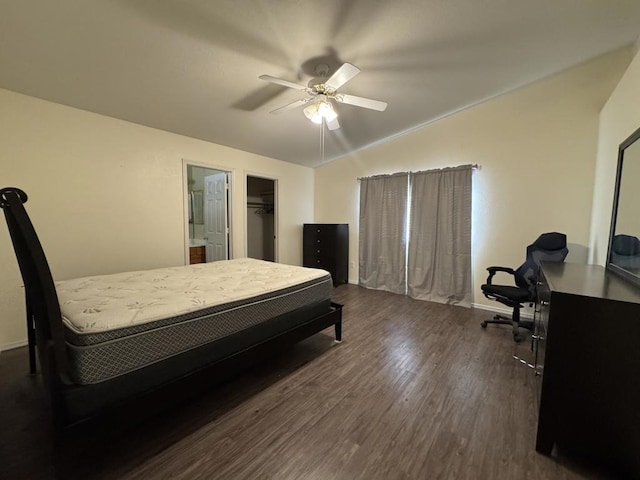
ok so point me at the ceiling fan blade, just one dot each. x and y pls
(284, 83)
(362, 102)
(341, 76)
(333, 124)
(291, 106)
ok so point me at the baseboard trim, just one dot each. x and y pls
(12, 345)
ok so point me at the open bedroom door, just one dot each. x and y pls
(216, 221)
(207, 212)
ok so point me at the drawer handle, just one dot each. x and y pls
(318, 230)
(317, 241)
(544, 303)
(317, 261)
(318, 251)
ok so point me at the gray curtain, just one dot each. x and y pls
(439, 261)
(383, 214)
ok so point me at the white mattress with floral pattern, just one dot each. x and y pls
(121, 322)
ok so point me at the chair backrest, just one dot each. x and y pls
(548, 247)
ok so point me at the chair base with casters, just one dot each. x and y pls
(551, 247)
(515, 324)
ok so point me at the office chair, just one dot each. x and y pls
(549, 247)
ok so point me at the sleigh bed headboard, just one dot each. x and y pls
(40, 292)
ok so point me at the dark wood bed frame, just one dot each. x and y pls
(46, 332)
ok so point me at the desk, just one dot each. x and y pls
(588, 329)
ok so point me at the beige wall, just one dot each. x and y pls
(536, 147)
(619, 118)
(107, 195)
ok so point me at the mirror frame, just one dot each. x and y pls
(631, 277)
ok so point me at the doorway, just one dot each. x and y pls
(207, 206)
(261, 218)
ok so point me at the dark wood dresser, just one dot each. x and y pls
(588, 359)
(326, 246)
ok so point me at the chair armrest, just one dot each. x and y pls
(494, 270)
(502, 269)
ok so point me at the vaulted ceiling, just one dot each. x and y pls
(192, 66)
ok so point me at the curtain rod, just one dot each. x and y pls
(474, 166)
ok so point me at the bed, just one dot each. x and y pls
(109, 343)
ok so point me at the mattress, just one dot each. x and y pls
(115, 324)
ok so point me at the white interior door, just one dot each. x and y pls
(215, 217)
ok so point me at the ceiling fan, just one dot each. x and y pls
(321, 93)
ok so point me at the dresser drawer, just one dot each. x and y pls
(319, 229)
(540, 343)
(316, 240)
(322, 251)
(318, 261)
(539, 337)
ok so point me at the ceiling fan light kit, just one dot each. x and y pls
(319, 103)
(320, 110)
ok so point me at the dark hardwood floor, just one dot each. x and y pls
(416, 390)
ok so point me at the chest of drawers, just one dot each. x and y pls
(326, 246)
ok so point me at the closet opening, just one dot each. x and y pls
(261, 218)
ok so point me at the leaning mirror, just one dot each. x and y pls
(623, 256)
